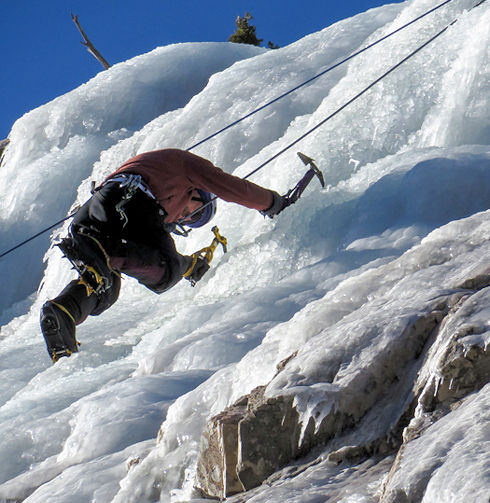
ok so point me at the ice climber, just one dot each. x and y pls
(125, 228)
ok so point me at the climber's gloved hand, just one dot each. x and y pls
(201, 267)
(278, 204)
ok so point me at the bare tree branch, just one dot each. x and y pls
(90, 47)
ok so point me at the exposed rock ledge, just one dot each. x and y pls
(3, 146)
(262, 433)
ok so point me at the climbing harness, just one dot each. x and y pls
(287, 93)
(130, 183)
(207, 253)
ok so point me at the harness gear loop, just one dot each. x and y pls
(207, 253)
(131, 183)
(130, 187)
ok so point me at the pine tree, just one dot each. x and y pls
(245, 33)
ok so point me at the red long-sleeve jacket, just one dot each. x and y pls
(173, 174)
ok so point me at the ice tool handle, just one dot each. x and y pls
(295, 193)
(207, 253)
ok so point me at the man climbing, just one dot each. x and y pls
(125, 228)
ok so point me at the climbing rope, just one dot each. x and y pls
(306, 82)
(345, 105)
(38, 234)
(329, 69)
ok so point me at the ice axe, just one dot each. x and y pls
(295, 193)
(207, 253)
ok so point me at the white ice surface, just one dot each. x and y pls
(404, 219)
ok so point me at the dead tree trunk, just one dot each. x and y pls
(90, 47)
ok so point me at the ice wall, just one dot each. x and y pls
(54, 147)
(407, 204)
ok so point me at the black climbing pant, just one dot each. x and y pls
(134, 236)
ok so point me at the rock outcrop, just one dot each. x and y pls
(246, 443)
(460, 366)
(3, 146)
(263, 432)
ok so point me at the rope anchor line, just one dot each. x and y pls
(275, 156)
(352, 100)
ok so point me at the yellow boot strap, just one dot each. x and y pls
(63, 308)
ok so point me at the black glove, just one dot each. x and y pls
(278, 204)
(201, 267)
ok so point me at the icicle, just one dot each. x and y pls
(438, 381)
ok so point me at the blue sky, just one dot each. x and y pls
(42, 57)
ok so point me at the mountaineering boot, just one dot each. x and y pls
(58, 328)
